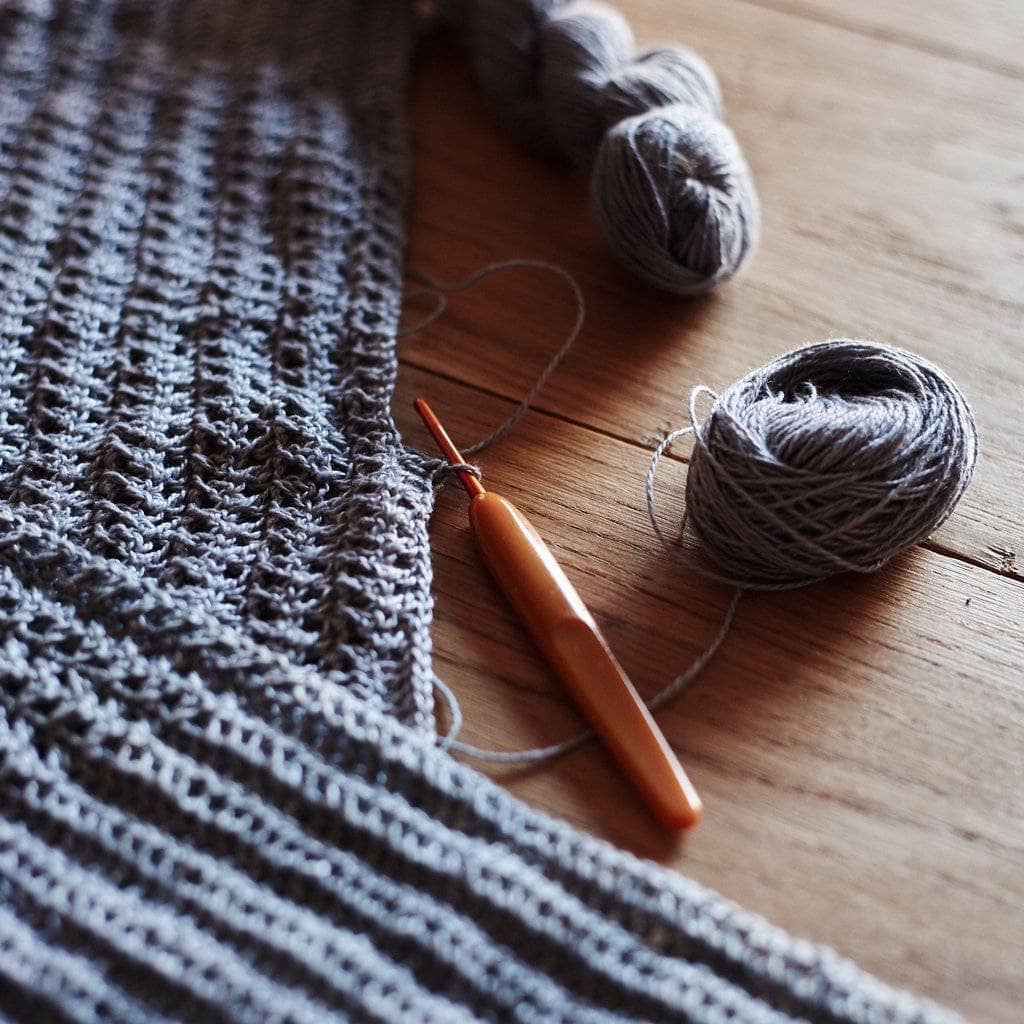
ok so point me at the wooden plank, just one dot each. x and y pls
(856, 743)
(984, 32)
(893, 209)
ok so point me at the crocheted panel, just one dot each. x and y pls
(194, 828)
(201, 209)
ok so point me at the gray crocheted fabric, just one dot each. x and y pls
(220, 796)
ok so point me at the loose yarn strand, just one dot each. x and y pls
(441, 289)
(652, 471)
(534, 755)
(670, 549)
(450, 739)
(700, 662)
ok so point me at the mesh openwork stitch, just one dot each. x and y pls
(208, 278)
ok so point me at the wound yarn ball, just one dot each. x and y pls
(670, 188)
(672, 193)
(831, 458)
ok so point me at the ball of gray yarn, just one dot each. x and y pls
(831, 458)
(672, 193)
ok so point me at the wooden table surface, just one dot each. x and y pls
(858, 743)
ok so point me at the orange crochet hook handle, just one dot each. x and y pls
(565, 631)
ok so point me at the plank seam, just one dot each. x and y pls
(919, 44)
(930, 545)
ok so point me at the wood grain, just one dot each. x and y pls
(983, 32)
(857, 743)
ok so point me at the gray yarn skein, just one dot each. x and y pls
(670, 188)
(666, 190)
(582, 46)
(659, 77)
(831, 458)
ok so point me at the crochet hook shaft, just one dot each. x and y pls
(567, 634)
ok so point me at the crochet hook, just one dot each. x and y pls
(565, 631)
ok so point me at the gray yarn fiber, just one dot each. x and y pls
(221, 798)
(831, 458)
(670, 187)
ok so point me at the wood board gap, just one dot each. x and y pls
(919, 44)
(1011, 572)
